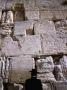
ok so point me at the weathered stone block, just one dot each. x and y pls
(30, 44)
(21, 67)
(10, 47)
(53, 44)
(21, 27)
(45, 27)
(50, 44)
(45, 65)
(46, 77)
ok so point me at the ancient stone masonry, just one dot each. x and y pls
(33, 34)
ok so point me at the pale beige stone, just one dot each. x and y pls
(21, 67)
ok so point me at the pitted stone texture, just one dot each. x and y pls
(45, 27)
(50, 44)
(45, 65)
(63, 62)
(46, 77)
(10, 47)
(30, 44)
(45, 68)
(21, 27)
(21, 67)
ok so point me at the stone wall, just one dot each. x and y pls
(41, 32)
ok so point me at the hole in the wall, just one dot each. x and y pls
(64, 3)
(30, 31)
(19, 12)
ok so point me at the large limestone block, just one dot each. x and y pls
(50, 44)
(53, 44)
(30, 44)
(45, 27)
(21, 67)
(21, 27)
(45, 65)
(10, 47)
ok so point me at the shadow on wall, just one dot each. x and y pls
(19, 12)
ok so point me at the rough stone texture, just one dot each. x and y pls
(30, 44)
(46, 77)
(44, 27)
(63, 62)
(45, 68)
(45, 65)
(21, 67)
(58, 73)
